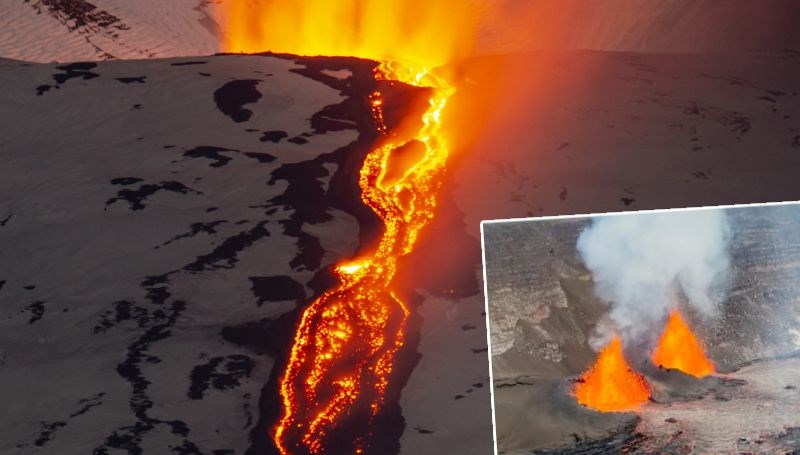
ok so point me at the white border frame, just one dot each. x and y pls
(577, 216)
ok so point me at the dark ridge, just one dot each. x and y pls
(627, 200)
(214, 154)
(232, 97)
(75, 70)
(736, 122)
(124, 310)
(129, 438)
(29, 287)
(226, 255)
(298, 140)
(193, 62)
(49, 428)
(77, 14)
(205, 74)
(40, 90)
(125, 181)
(211, 153)
(273, 136)
(130, 80)
(136, 198)
(195, 228)
(5, 221)
(276, 289)
(260, 157)
(88, 404)
(220, 373)
(46, 432)
(2, 283)
(37, 311)
(311, 252)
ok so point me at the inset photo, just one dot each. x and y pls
(674, 331)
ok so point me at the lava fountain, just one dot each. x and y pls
(344, 346)
(679, 349)
(610, 384)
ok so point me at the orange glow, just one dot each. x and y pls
(610, 384)
(679, 349)
(343, 352)
(421, 32)
(345, 344)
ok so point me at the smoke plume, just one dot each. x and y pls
(643, 264)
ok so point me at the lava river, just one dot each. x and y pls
(344, 346)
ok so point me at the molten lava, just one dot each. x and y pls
(679, 349)
(610, 384)
(340, 364)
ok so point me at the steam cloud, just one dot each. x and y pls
(641, 263)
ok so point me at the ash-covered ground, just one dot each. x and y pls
(542, 313)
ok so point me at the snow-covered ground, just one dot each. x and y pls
(138, 220)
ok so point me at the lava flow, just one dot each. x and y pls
(345, 344)
(342, 358)
(679, 349)
(610, 384)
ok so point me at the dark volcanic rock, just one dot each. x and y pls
(232, 97)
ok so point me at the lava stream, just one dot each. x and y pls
(679, 349)
(343, 351)
(610, 384)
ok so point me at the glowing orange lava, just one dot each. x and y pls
(342, 358)
(679, 349)
(610, 384)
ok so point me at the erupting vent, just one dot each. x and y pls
(680, 349)
(610, 384)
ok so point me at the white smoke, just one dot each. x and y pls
(642, 263)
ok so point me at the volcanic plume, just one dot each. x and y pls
(643, 263)
(679, 349)
(610, 384)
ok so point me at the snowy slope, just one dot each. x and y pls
(145, 208)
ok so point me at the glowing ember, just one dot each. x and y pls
(610, 384)
(679, 349)
(342, 358)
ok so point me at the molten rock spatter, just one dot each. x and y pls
(610, 384)
(679, 349)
